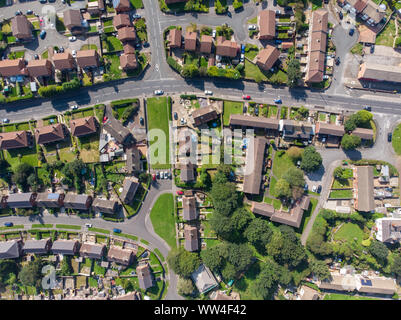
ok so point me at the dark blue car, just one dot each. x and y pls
(8, 224)
(351, 32)
(243, 48)
(115, 230)
(42, 34)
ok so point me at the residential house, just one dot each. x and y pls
(65, 247)
(133, 160)
(130, 186)
(367, 10)
(116, 129)
(191, 238)
(292, 129)
(16, 139)
(366, 36)
(370, 71)
(190, 41)
(19, 200)
(122, 20)
(83, 126)
(12, 68)
(317, 43)
(40, 68)
(144, 276)
(51, 133)
(129, 48)
(204, 115)
(187, 172)
(330, 133)
(206, 44)
(254, 165)
(63, 61)
(87, 59)
(121, 5)
(267, 24)
(105, 206)
(307, 293)
(77, 201)
(189, 211)
(363, 133)
(388, 230)
(226, 48)
(270, 125)
(128, 61)
(41, 246)
(92, 250)
(364, 189)
(267, 57)
(50, 200)
(21, 28)
(174, 38)
(73, 21)
(120, 255)
(10, 249)
(221, 295)
(204, 279)
(96, 7)
(126, 34)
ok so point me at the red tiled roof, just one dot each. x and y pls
(49, 134)
(83, 126)
(267, 24)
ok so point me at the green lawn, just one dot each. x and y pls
(341, 194)
(112, 44)
(99, 230)
(397, 139)
(252, 71)
(26, 155)
(281, 164)
(386, 37)
(231, 107)
(68, 226)
(137, 4)
(348, 232)
(338, 296)
(158, 119)
(343, 183)
(242, 285)
(162, 217)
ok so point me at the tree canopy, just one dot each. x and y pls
(311, 159)
(379, 251)
(182, 262)
(294, 73)
(30, 274)
(350, 142)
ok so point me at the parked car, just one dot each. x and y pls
(42, 34)
(256, 110)
(242, 57)
(74, 53)
(306, 187)
(136, 16)
(229, 14)
(169, 175)
(314, 189)
(367, 108)
(5, 120)
(138, 46)
(278, 100)
(319, 188)
(61, 50)
(214, 34)
(340, 15)
(243, 48)
(72, 39)
(146, 44)
(158, 175)
(115, 230)
(8, 224)
(141, 121)
(175, 116)
(74, 107)
(252, 27)
(337, 61)
(245, 97)
(351, 32)
(18, 12)
(389, 137)
(29, 12)
(161, 175)
(88, 225)
(208, 92)
(50, 1)
(42, 1)
(153, 177)
(36, 57)
(372, 48)
(180, 192)
(278, 12)
(159, 92)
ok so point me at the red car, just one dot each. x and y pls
(246, 97)
(153, 177)
(179, 192)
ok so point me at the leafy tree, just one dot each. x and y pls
(320, 269)
(7, 267)
(294, 73)
(311, 159)
(364, 118)
(190, 71)
(222, 225)
(379, 251)
(205, 179)
(240, 255)
(185, 287)
(30, 274)
(33, 181)
(66, 267)
(143, 177)
(282, 189)
(350, 142)
(21, 173)
(396, 265)
(303, 112)
(240, 219)
(295, 177)
(225, 197)
(212, 257)
(294, 153)
(183, 262)
(258, 233)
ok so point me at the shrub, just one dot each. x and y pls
(174, 64)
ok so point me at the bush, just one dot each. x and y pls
(174, 64)
(237, 4)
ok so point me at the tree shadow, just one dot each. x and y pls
(353, 154)
(316, 175)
